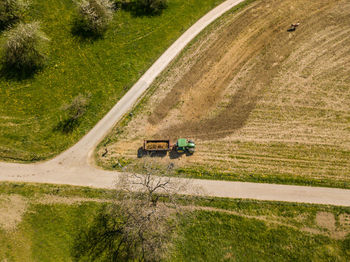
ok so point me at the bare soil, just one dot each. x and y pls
(12, 207)
(325, 220)
(256, 98)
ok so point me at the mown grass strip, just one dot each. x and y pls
(203, 173)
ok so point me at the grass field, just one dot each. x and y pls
(41, 222)
(262, 104)
(103, 69)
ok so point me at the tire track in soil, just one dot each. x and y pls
(266, 46)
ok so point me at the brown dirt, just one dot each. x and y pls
(11, 210)
(326, 220)
(256, 98)
(250, 43)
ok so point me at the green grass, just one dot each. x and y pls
(257, 231)
(259, 176)
(47, 231)
(106, 68)
(221, 237)
(29, 190)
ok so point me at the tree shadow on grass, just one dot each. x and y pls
(83, 33)
(137, 9)
(18, 74)
(4, 25)
(67, 126)
(74, 113)
(101, 240)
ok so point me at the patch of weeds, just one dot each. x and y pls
(74, 113)
(119, 163)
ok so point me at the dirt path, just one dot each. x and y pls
(72, 166)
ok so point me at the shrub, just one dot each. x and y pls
(93, 17)
(74, 111)
(25, 47)
(151, 6)
(77, 108)
(10, 11)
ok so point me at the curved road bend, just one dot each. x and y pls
(73, 166)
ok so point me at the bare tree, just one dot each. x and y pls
(138, 225)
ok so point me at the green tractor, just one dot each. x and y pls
(185, 146)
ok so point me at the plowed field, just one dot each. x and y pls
(262, 104)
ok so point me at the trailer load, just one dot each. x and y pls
(156, 145)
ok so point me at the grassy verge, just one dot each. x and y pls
(216, 229)
(29, 190)
(212, 172)
(260, 177)
(104, 69)
(215, 173)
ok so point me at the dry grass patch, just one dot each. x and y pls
(52, 199)
(326, 220)
(12, 208)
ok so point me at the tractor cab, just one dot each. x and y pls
(185, 146)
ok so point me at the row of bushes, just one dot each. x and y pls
(25, 47)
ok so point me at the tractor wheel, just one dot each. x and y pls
(190, 151)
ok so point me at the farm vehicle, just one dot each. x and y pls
(161, 147)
